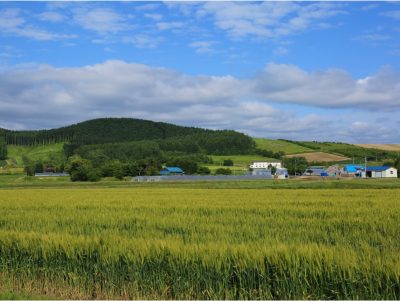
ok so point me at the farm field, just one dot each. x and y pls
(40, 152)
(242, 160)
(320, 157)
(388, 147)
(201, 243)
(280, 145)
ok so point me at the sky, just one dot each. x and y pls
(325, 71)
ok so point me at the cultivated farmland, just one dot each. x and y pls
(201, 243)
(387, 147)
(320, 157)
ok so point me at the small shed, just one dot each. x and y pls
(381, 172)
(261, 172)
(315, 171)
(281, 173)
(166, 171)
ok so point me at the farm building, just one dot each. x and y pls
(261, 172)
(281, 173)
(51, 174)
(380, 172)
(166, 171)
(315, 171)
(334, 170)
(265, 165)
(355, 170)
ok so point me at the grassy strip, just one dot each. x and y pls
(19, 182)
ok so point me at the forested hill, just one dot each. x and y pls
(114, 131)
(104, 130)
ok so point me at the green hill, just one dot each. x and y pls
(280, 146)
(121, 139)
(127, 140)
(50, 152)
(347, 150)
(103, 130)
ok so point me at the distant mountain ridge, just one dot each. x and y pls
(128, 135)
(102, 130)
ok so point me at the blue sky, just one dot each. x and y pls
(325, 71)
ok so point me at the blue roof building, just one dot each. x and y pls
(377, 168)
(171, 171)
(381, 172)
(351, 168)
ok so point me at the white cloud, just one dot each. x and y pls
(370, 131)
(14, 23)
(395, 14)
(147, 7)
(169, 25)
(281, 51)
(203, 46)
(374, 37)
(45, 96)
(330, 89)
(265, 19)
(142, 41)
(101, 20)
(154, 17)
(51, 16)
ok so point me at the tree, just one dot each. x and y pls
(38, 167)
(203, 170)
(228, 162)
(3, 149)
(82, 170)
(295, 165)
(188, 166)
(397, 166)
(133, 169)
(29, 170)
(223, 171)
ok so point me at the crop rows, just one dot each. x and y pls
(199, 243)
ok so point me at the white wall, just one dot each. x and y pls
(265, 164)
(390, 173)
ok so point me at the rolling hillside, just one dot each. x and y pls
(387, 147)
(103, 130)
(128, 139)
(280, 146)
(17, 153)
(320, 157)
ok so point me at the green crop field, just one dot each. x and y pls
(241, 160)
(280, 145)
(34, 153)
(200, 243)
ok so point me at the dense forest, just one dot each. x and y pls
(123, 146)
(128, 147)
(103, 130)
(3, 149)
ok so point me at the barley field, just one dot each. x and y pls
(175, 243)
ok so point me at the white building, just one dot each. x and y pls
(281, 173)
(265, 165)
(380, 172)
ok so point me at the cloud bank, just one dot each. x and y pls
(46, 96)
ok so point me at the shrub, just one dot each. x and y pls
(223, 171)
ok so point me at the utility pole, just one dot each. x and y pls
(365, 167)
(295, 167)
